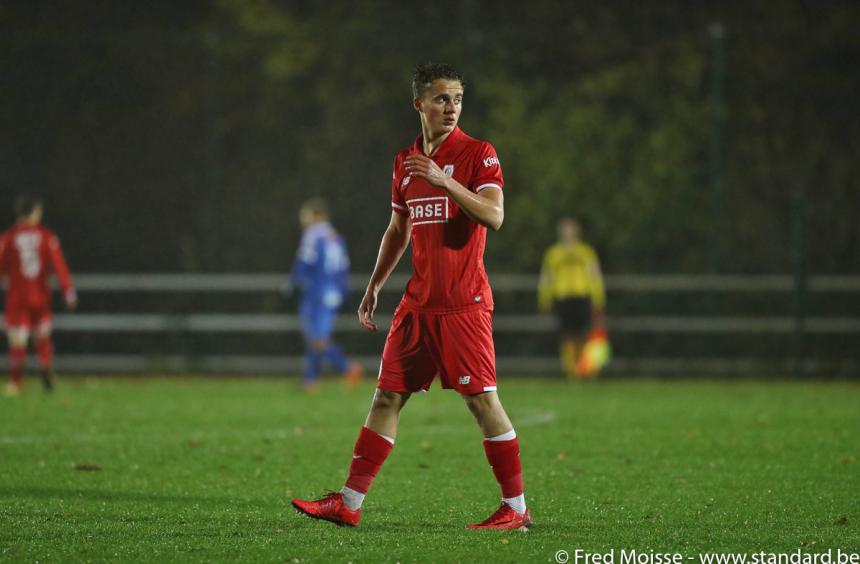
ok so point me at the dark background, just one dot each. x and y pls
(182, 136)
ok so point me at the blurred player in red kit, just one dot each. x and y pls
(446, 192)
(29, 253)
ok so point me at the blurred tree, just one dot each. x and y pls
(620, 147)
(163, 132)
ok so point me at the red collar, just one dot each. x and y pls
(444, 148)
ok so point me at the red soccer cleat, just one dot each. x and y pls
(505, 518)
(329, 508)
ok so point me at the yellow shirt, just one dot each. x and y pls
(570, 271)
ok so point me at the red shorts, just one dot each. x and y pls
(25, 318)
(456, 346)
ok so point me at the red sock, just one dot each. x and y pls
(45, 352)
(17, 359)
(371, 450)
(504, 457)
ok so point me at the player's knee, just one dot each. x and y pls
(482, 404)
(384, 400)
(17, 338)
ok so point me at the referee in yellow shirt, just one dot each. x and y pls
(571, 286)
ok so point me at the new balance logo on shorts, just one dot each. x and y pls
(465, 380)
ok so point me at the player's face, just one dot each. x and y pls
(440, 106)
(36, 215)
(568, 231)
(306, 218)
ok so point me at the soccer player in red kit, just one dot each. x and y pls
(29, 253)
(446, 192)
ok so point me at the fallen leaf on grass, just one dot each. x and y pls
(562, 456)
(195, 443)
(87, 467)
(847, 459)
(841, 521)
(504, 541)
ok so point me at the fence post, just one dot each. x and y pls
(798, 259)
(716, 32)
(212, 219)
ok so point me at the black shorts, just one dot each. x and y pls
(574, 316)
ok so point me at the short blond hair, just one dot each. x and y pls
(316, 206)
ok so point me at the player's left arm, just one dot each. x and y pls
(486, 207)
(61, 269)
(598, 290)
(4, 246)
(343, 270)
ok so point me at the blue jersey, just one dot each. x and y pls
(321, 272)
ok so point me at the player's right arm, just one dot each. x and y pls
(306, 259)
(545, 286)
(394, 243)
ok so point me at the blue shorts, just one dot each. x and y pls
(317, 321)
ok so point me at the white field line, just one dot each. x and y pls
(530, 420)
(535, 419)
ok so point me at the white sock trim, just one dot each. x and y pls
(518, 503)
(353, 499)
(509, 436)
(386, 437)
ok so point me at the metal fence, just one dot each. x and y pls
(659, 325)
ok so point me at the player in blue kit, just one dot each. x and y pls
(321, 274)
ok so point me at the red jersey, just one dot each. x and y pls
(28, 255)
(447, 245)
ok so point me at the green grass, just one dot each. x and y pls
(203, 470)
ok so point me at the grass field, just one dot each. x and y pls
(203, 470)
